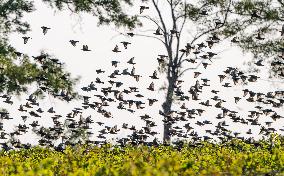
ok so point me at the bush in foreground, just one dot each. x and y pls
(232, 158)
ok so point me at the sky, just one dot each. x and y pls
(101, 40)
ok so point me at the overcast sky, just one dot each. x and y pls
(101, 40)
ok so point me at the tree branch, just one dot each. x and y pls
(189, 69)
(213, 29)
(141, 35)
(162, 20)
(151, 19)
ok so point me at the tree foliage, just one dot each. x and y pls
(107, 11)
(49, 74)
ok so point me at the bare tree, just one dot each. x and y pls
(213, 21)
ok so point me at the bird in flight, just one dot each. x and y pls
(44, 29)
(259, 63)
(131, 34)
(73, 42)
(131, 61)
(26, 39)
(85, 48)
(116, 49)
(142, 8)
(125, 44)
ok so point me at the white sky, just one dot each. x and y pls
(101, 40)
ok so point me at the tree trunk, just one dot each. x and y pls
(167, 105)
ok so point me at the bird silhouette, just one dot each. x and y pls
(85, 48)
(151, 87)
(254, 14)
(235, 40)
(74, 42)
(155, 75)
(259, 63)
(116, 49)
(158, 31)
(44, 29)
(125, 44)
(259, 37)
(131, 61)
(26, 39)
(203, 12)
(142, 8)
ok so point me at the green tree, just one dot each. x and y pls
(17, 70)
(46, 71)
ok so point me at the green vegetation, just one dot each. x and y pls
(232, 158)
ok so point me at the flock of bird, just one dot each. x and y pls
(100, 93)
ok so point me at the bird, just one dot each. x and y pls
(203, 12)
(210, 43)
(211, 54)
(221, 77)
(259, 36)
(172, 31)
(73, 42)
(18, 54)
(137, 77)
(214, 91)
(114, 63)
(206, 103)
(259, 63)
(100, 71)
(235, 40)
(155, 75)
(201, 45)
(44, 29)
(131, 34)
(158, 31)
(152, 101)
(142, 8)
(204, 64)
(218, 22)
(125, 44)
(85, 48)
(132, 73)
(226, 85)
(237, 99)
(116, 49)
(131, 61)
(151, 87)
(26, 39)
(50, 110)
(254, 14)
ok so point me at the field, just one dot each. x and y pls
(230, 158)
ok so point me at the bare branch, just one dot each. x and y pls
(189, 69)
(149, 36)
(141, 35)
(177, 34)
(151, 19)
(162, 20)
(281, 2)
